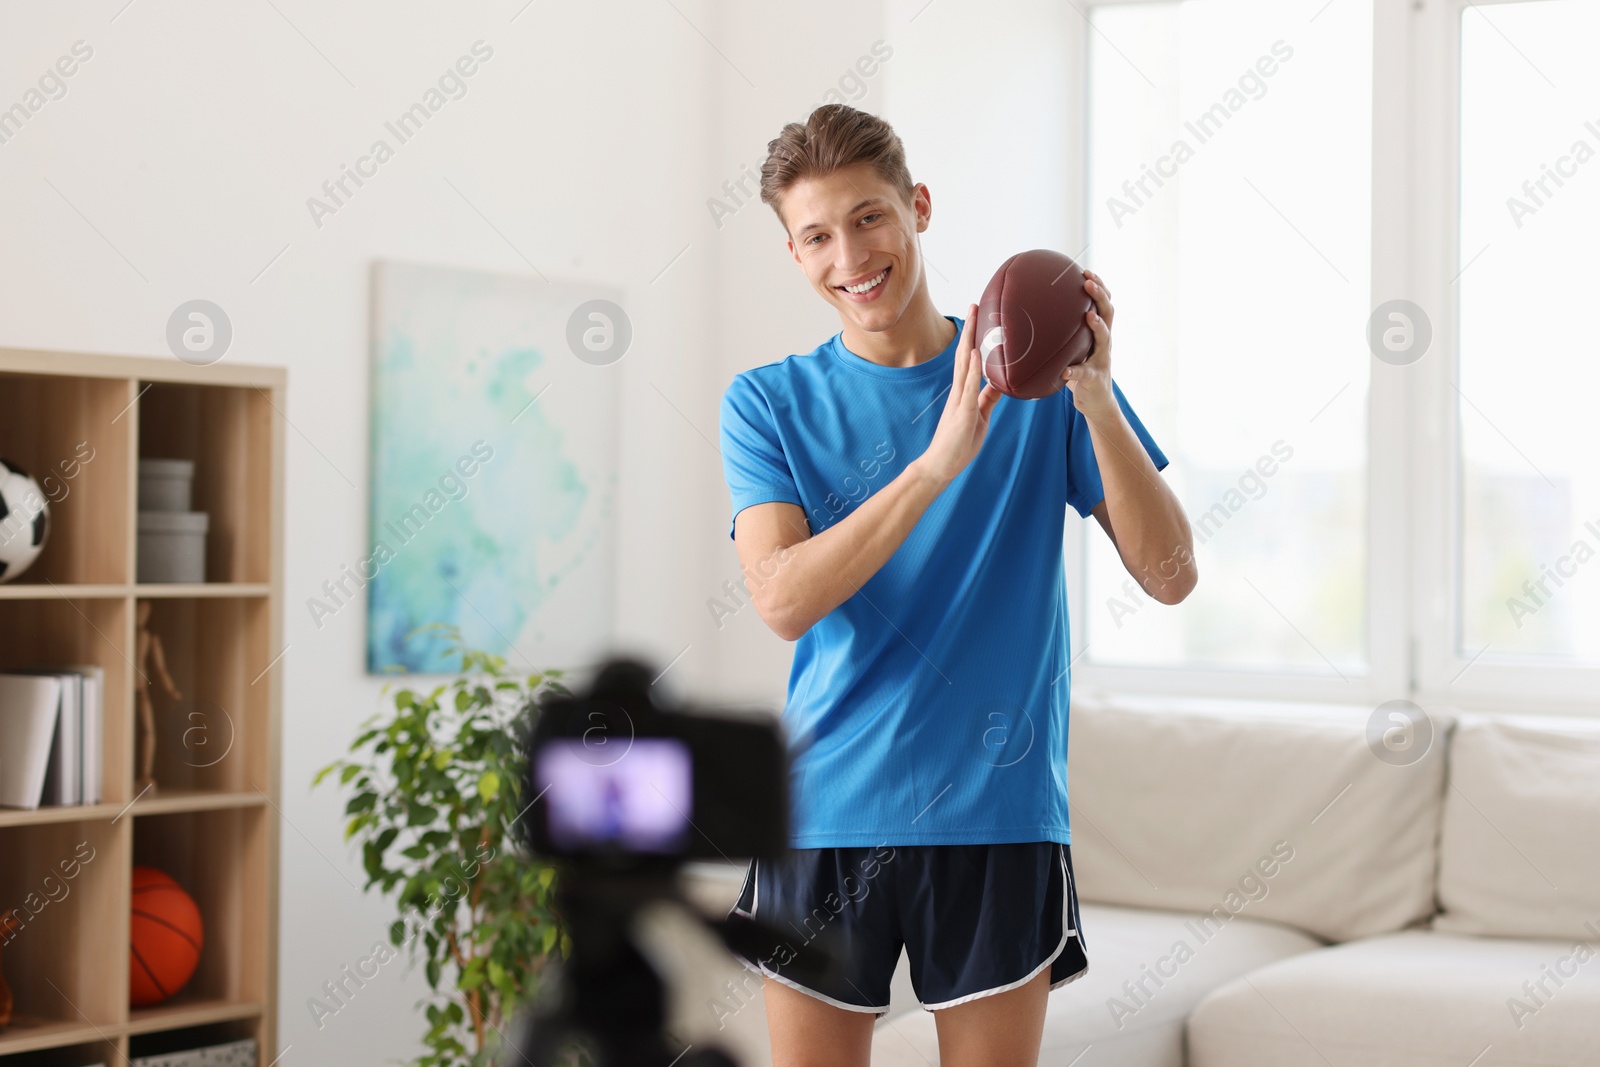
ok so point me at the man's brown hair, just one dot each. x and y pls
(833, 136)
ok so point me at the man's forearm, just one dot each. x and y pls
(1152, 532)
(824, 570)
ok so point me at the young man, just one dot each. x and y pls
(906, 520)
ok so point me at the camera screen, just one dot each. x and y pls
(637, 803)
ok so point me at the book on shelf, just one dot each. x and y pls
(63, 782)
(92, 759)
(72, 717)
(29, 710)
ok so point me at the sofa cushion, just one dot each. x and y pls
(1412, 999)
(1287, 812)
(1147, 969)
(1518, 852)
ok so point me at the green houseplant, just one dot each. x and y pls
(437, 781)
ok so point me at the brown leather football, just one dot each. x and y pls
(1031, 324)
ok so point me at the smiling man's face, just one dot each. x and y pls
(851, 229)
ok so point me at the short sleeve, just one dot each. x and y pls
(1084, 488)
(752, 454)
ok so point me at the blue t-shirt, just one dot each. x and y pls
(930, 708)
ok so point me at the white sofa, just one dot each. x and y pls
(1275, 885)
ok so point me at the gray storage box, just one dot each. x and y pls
(172, 546)
(233, 1054)
(164, 484)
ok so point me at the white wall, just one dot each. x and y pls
(985, 106)
(190, 142)
(178, 165)
(765, 309)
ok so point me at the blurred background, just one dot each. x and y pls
(1349, 242)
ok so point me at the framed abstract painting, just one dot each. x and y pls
(493, 482)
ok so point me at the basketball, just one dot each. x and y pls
(1031, 324)
(8, 929)
(167, 936)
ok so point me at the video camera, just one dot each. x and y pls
(631, 787)
(625, 791)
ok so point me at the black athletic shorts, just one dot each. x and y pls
(974, 919)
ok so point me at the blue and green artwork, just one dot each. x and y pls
(493, 473)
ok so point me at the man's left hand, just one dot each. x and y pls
(1090, 381)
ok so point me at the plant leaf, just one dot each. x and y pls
(436, 776)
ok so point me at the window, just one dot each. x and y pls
(1351, 246)
(1229, 168)
(1529, 365)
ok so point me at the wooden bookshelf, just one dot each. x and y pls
(212, 822)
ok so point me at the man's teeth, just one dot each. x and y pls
(864, 286)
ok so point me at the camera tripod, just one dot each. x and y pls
(610, 999)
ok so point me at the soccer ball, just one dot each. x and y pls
(24, 520)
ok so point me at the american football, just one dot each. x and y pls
(1031, 324)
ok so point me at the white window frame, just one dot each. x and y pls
(1413, 543)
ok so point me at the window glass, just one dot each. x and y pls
(1229, 203)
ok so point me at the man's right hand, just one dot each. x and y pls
(818, 572)
(965, 419)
